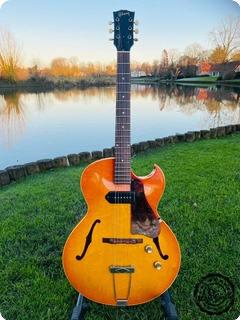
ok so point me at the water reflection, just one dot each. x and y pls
(13, 118)
(26, 117)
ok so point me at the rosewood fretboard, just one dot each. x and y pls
(123, 119)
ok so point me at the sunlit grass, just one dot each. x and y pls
(212, 79)
(200, 204)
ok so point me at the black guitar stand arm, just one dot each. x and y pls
(80, 309)
(168, 307)
(166, 303)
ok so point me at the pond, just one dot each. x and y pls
(36, 126)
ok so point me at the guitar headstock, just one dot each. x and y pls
(123, 29)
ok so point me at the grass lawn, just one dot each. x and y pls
(201, 204)
(199, 79)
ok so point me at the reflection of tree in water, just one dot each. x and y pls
(76, 94)
(221, 103)
(12, 118)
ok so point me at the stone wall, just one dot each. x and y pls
(14, 173)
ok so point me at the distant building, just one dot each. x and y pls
(209, 69)
(138, 73)
(237, 69)
(203, 69)
(217, 69)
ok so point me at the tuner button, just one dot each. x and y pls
(136, 22)
(136, 39)
(136, 31)
(110, 31)
(111, 39)
(110, 22)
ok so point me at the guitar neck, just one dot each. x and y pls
(122, 174)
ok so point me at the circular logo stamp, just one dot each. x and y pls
(214, 294)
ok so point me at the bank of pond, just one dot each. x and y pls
(14, 173)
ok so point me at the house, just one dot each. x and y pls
(215, 70)
(203, 69)
(138, 73)
(237, 69)
(218, 69)
(209, 69)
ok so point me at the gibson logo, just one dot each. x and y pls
(123, 14)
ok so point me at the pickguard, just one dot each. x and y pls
(143, 219)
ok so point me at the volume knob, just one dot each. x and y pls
(148, 249)
(157, 265)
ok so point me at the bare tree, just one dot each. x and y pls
(10, 55)
(60, 67)
(196, 52)
(226, 37)
(173, 56)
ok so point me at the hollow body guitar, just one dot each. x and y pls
(121, 253)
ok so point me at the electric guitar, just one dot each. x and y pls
(121, 253)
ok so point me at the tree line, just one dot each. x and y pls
(225, 41)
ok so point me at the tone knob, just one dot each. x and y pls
(148, 249)
(157, 265)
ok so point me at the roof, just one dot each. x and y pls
(237, 68)
(215, 66)
(205, 66)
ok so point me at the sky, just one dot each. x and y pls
(48, 29)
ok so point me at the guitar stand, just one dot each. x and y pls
(166, 303)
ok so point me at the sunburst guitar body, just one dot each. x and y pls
(91, 254)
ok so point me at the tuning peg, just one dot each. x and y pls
(136, 31)
(110, 22)
(111, 31)
(136, 39)
(111, 39)
(136, 23)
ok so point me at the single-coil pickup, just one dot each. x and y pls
(120, 197)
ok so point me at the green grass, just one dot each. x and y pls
(38, 213)
(211, 79)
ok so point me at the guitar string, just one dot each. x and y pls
(122, 174)
(120, 140)
(126, 90)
